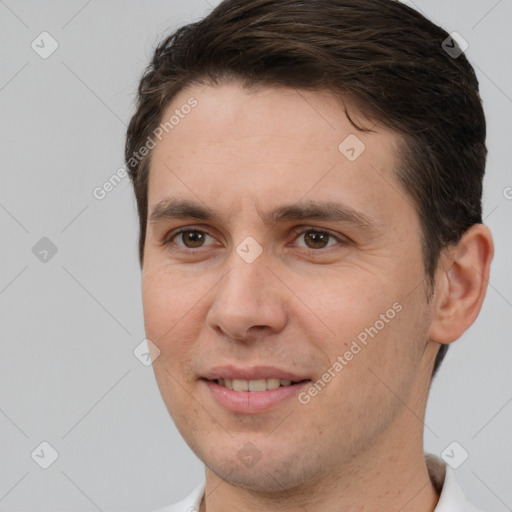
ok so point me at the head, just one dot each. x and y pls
(255, 107)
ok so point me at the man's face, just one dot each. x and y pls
(239, 295)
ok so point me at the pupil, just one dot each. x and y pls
(318, 237)
(194, 237)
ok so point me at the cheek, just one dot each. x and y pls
(374, 325)
(171, 307)
(380, 357)
(167, 297)
(343, 303)
(169, 321)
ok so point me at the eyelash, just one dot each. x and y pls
(168, 241)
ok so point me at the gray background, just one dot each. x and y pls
(69, 325)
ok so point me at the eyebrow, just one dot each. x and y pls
(175, 208)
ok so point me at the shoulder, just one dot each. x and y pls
(451, 497)
(189, 504)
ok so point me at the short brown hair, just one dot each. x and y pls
(385, 56)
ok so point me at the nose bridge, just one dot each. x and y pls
(244, 284)
(247, 296)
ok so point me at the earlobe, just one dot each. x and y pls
(461, 284)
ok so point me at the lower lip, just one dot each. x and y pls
(252, 402)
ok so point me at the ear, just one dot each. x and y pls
(461, 282)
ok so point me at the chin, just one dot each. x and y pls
(262, 480)
(266, 471)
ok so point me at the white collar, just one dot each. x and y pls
(451, 497)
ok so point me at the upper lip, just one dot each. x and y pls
(252, 373)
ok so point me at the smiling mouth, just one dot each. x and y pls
(256, 384)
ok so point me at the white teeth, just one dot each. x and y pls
(273, 383)
(240, 385)
(258, 385)
(253, 385)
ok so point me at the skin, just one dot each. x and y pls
(299, 305)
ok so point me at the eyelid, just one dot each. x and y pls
(167, 241)
(341, 239)
(297, 231)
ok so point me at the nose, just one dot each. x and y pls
(250, 301)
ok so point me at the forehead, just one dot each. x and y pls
(238, 147)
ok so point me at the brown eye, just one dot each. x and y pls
(188, 239)
(192, 239)
(316, 239)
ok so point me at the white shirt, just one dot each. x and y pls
(451, 498)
